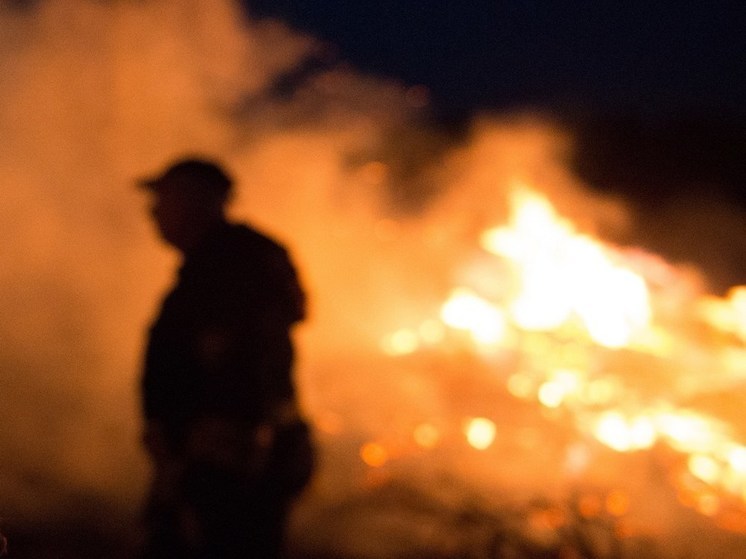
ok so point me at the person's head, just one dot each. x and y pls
(188, 197)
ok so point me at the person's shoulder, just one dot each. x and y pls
(256, 245)
(249, 238)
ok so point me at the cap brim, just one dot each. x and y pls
(148, 183)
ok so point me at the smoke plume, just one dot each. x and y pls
(377, 210)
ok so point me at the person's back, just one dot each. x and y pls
(224, 331)
(222, 423)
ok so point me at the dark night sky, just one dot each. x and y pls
(635, 55)
(654, 89)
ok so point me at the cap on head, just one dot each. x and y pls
(191, 173)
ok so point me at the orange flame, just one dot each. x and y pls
(569, 304)
(563, 275)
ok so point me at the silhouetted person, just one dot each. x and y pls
(229, 447)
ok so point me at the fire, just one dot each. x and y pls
(465, 310)
(480, 432)
(624, 434)
(727, 315)
(374, 454)
(579, 321)
(564, 275)
(426, 435)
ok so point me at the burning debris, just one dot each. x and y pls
(604, 347)
(456, 524)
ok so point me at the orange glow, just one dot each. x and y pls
(374, 454)
(426, 435)
(563, 299)
(330, 423)
(561, 385)
(589, 506)
(705, 468)
(693, 433)
(480, 432)
(737, 459)
(733, 521)
(729, 314)
(708, 504)
(521, 386)
(425, 312)
(624, 435)
(431, 332)
(617, 503)
(564, 274)
(401, 342)
(465, 310)
(566, 301)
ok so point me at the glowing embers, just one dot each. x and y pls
(561, 385)
(683, 430)
(409, 340)
(426, 435)
(401, 342)
(727, 315)
(562, 275)
(624, 434)
(713, 458)
(605, 342)
(374, 454)
(591, 505)
(480, 432)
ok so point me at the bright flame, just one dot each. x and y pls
(622, 434)
(727, 315)
(562, 385)
(464, 310)
(575, 318)
(705, 468)
(480, 432)
(565, 275)
(691, 432)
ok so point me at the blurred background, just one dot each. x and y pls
(521, 228)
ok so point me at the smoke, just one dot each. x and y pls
(377, 209)
(94, 94)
